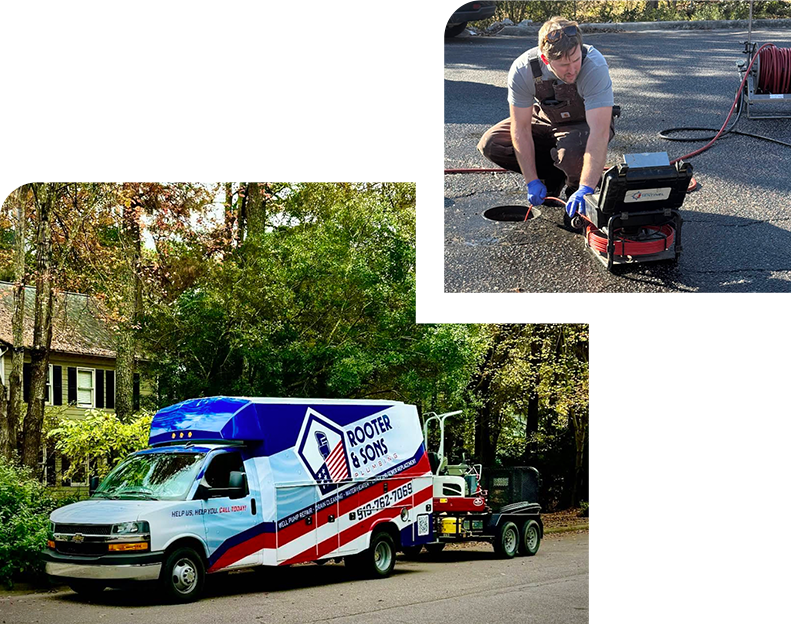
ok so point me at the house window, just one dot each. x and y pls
(48, 390)
(85, 386)
(2, 367)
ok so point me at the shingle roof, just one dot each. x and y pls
(77, 322)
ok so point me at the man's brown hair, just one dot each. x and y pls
(559, 48)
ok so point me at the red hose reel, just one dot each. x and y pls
(646, 241)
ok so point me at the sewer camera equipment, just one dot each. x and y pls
(633, 216)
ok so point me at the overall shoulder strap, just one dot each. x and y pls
(535, 65)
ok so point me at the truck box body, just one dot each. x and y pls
(321, 476)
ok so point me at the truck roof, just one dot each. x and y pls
(249, 419)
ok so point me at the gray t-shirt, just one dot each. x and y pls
(593, 82)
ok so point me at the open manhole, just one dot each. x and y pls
(511, 213)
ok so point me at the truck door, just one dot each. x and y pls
(295, 528)
(229, 518)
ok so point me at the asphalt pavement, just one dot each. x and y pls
(737, 226)
(469, 585)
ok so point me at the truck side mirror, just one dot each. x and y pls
(237, 484)
(93, 485)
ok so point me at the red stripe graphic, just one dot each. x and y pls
(240, 551)
(351, 503)
(298, 529)
(336, 463)
(356, 530)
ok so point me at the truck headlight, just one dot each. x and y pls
(130, 528)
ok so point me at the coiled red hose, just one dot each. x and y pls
(774, 75)
(629, 246)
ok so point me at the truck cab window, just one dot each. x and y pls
(219, 471)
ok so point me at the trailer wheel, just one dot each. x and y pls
(506, 544)
(182, 575)
(531, 538)
(87, 588)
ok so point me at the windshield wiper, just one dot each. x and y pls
(139, 492)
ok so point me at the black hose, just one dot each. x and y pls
(663, 133)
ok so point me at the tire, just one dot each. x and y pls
(530, 538)
(435, 549)
(412, 552)
(182, 576)
(506, 544)
(377, 561)
(86, 588)
(456, 29)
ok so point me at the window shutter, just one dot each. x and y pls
(136, 392)
(26, 383)
(57, 385)
(109, 385)
(99, 387)
(72, 385)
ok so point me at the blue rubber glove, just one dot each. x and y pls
(536, 192)
(576, 202)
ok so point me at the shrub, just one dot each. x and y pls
(101, 439)
(584, 509)
(25, 506)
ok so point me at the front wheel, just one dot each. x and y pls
(530, 538)
(182, 575)
(506, 543)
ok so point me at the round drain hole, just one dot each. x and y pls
(510, 213)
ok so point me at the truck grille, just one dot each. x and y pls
(86, 548)
(85, 529)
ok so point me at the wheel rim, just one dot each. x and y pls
(184, 576)
(383, 555)
(510, 540)
(531, 539)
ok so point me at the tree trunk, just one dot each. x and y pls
(241, 218)
(258, 196)
(580, 435)
(12, 410)
(126, 343)
(45, 196)
(531, 427)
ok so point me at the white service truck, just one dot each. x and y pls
(231, 483)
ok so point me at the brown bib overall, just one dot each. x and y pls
(560, 133)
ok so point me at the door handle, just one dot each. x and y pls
(252, 506)
(330, 518)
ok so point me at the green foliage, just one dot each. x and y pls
(321, 305)
(25, 506)
(583, 513)
(595, 11)
(101, 439)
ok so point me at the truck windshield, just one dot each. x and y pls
(152, 476)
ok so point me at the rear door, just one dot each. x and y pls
(295, 528)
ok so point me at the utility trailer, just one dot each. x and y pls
(462, 512)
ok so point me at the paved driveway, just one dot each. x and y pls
(470, 585)
(737, 227)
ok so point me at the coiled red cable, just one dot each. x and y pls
(774, 75)
(629, 246)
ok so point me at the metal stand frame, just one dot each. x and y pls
(750, 88)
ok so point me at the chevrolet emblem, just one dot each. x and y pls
(78, 537)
